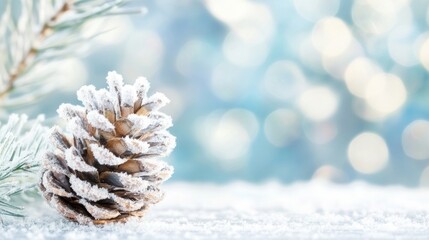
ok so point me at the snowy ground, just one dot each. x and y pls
(244, 211)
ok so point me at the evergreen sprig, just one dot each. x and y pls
(22, 143)
(37, 32)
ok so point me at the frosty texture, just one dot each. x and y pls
(108, 169)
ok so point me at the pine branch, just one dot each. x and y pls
(31, 53)
(21, 147)
(58, 24)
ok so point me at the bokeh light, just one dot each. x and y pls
(318, 103)
(328, 173)
(368, 153)
(424, 53)
(282, 127)
(378, 17)
(145, 59)
(227, 82)
(385, 93)
(415, 140)
(320, 133)
(303, 89)
(314, 10)
(74, 74)
(424, 178)
(228, 135)
(284, 80)
(402, 45)
(115, 30)
(331, 36)
(242, 53)
(358, 75)
(192, 53)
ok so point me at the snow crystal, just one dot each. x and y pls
(156, 101)
(68, 111)
(142, 85)
(86, 190)
(76, 162)
(128, 95)
(99, 121)
(75, 126)
(136, 146)
(104, 156)
(88, 96)
(98, 212)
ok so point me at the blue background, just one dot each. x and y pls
(259, 88)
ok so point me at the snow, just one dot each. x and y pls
(139, 122)
(76, 162)
(104, 156)
(160, 121)
(75, 126)
(133, 184)
(136, 146)
(156, 168)
(240, 210)
(129, 96)
(162, 143)
(51, 162)
(115, 82)
(98, 212)
(68, 111)
(142, 86)
(156, 101)
(126, 204)
(86, 190)
(89, 97)
(105, 100)
(99, 121)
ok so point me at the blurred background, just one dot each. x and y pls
(276, 90)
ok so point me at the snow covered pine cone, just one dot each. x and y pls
(107, 170)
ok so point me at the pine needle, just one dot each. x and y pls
(22, 143)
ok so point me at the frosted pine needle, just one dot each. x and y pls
(22, 144)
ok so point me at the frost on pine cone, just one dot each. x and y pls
(107, 170)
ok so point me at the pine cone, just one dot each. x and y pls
(107, 170)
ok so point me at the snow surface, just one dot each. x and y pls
(314, 210)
